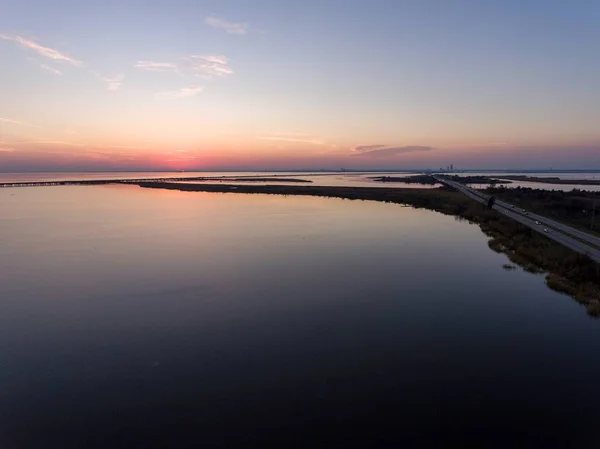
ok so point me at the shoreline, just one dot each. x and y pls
(552, 180)
(391, 194)
(566, 271)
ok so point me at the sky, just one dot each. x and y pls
(270, 84)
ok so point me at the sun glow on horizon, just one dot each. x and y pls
(263, 92)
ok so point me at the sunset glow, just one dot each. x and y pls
(179, 85)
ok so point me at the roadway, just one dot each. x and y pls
(528, 219)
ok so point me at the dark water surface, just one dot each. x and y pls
(134, 318)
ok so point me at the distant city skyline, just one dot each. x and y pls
(266, 85)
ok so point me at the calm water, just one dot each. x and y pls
(316, 179)
(133, 318)
(538, 185)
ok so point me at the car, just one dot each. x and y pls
(523, 210)
(546, 230)
(526, 213)
(537, 222)
(512, 205)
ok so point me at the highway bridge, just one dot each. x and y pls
(572, 238)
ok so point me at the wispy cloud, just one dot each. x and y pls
(156, 66)
(115, 82)
(50, 141)
(6, 150)
(41, 50)
(230, 27)
(208, 65)
(288, 134)
(487, 145)
(181, 93)
(202, 66)
(362, 148)
(51, 69)
(386, 151)
(279, 138)
(17, 122)
(124, 147)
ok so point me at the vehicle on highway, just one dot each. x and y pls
(512, 205)
(537, 222)
(546, 230)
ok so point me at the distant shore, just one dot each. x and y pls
(93, 182)
(552, 180)
(392, 194)
(567, 271)
(430, 180)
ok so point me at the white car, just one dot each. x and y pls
(537, 222)
(546, 230)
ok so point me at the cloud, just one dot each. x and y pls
(229, 27)
(203, 66)
(156, 66)
(16, 122)
(48, 141)
(286, 134)
(385, 151)
(6, 150)
(292, 139)
(184, 92)
(126, 147)
(51, 53)
(115, 82)
(362, 148)
(208, 65)
(51, 69)
(41, 50)
(486, 145)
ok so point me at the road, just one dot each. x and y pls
(558, 234)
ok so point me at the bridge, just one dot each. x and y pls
(572, 238)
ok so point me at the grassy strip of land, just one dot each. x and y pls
(552, 180)
(476, 180)
(417, 179)
(430, 180)
(255, 179)
(568, 271)
(94, 182)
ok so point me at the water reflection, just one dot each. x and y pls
(142, 318)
